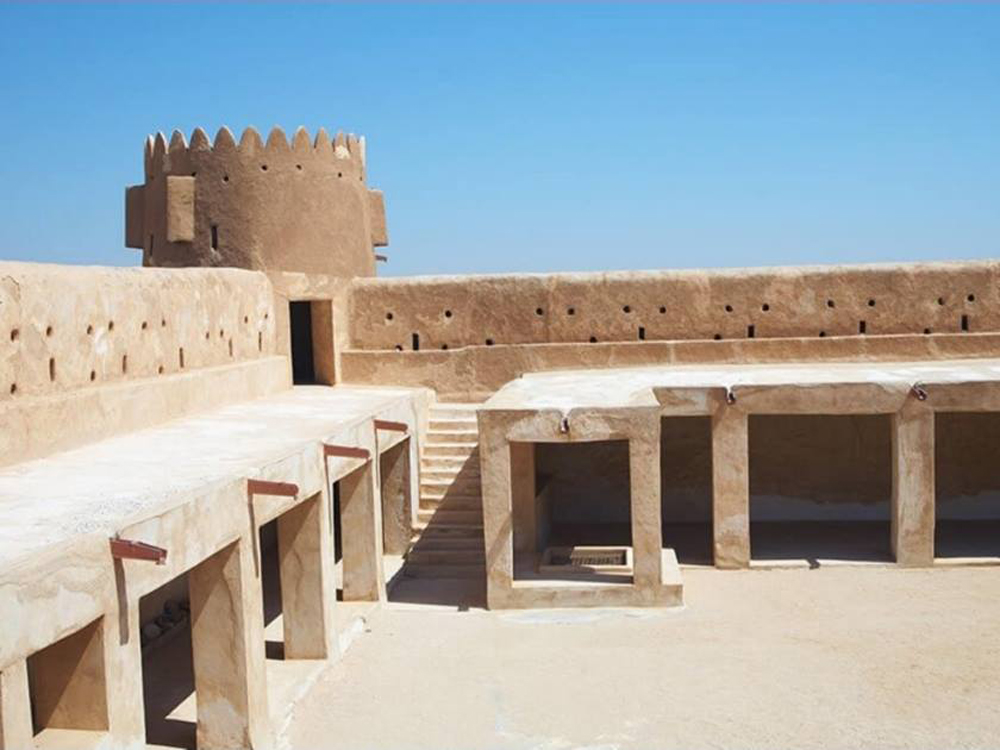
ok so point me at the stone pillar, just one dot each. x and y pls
(361, 531)
(15, 708)
(305, 599)
(123, 659)
(529, 519)
(394, 481)
(730, 488)
(495, 466)
(227, 643)
(913, 485)
(646, 492)
(69, 690)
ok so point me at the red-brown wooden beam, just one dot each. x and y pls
(126, 549)
(345, 451)
(264, 487)
(385, 424)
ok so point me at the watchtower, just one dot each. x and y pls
(301, 206)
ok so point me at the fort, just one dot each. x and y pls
(238, 451)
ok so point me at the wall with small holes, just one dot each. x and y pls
(64, 328)
(441, 313)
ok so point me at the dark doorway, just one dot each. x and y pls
(303, 360)
(686, 487)
(338, 539)
(270, 581)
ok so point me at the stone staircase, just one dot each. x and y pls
(450, 519)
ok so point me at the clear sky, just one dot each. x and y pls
(535, 137)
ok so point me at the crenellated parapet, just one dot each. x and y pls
(300, 205)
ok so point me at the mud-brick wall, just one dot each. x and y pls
(64, 328)
(451, 312)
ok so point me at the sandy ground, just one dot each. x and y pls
(826, 658)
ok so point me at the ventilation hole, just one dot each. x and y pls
(267, 315)
(642, 333)
(447, 313)
(871, 303)
(48, 331)
(15, 334)
(415, 341)
(93, 376)
(765, 307)
(225, 178)
(750, 332)
(230, 347)
(180, 357)
(927, 332)
(13, 388)
(222, 333)
(593, 339)
(260, 341)
(940, 300)
(90, 330)
(489, 342)
(831, 303)
(144, 325)
(208, 335)
(246, 319)
(263, 167)
(717, 337)
(163, 323)
(971, 298)
(862, 327)
(822, 334)
(159, 370)
(152, 240)
(340, 174)
(539, 311)
(124, 364)
(298, 167)
(627, 309)
(444, 346)
(729, 309)
(965, 322)
(571, 311)
(662, 309)
(215, 236)
(389, 316)
(399, 347)
(111, 325)
(52, 368)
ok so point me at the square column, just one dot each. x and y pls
(394, 480)
(647, 532)
(123, 657)
(361, 529)
(529, 513)
(227, 642)
(16, 731)
(730, 488)
(913, 485)
(495, 456)
(304, 561)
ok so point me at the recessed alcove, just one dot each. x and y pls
(686, 487)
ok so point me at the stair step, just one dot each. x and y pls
(451, 503)
(439, 542)
(446, 556)
(458, 482)
(451, 450)
(451, 531)
(439, 498)
(449, 516)
(429, 463)
(423, 570)
(453, 425)
(453, 437)
(451, 474)
(454, 411)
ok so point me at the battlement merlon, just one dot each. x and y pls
(298, 206)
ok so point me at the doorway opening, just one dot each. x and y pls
(311, 340)
(967, 486)
(686, 488)
(820, 488)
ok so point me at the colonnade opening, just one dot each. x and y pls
(686, 487)
(572, 510)
(967, 491)
(820, 488)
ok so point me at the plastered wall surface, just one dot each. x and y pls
(298, 206)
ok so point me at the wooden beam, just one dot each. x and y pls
(264, 487)
(385, 424)
(127, 549)
(345, 451)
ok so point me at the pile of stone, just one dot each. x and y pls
(174, 613)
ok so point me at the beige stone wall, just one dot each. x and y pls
(90, 352)
(792, 302)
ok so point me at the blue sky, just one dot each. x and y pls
(536, 137)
